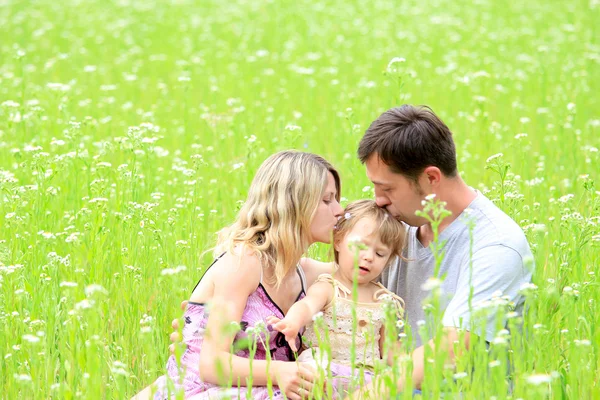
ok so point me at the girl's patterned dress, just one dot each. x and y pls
(336, 328)
(186, 376)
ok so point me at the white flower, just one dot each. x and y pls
(347, 215)
(292, 127)
(354, 240)
(431, 283)
(31, 338)
(460, 375)
(317, 316)
(22, 377)
(94, 288)
(528, 287)
(67, 284)
(583, 342)
(538, 379)
(430, 197)
(84, 304)
(391, 67)
(493, 157)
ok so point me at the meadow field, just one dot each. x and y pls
(130, 131)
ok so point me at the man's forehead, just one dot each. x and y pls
(376, 174)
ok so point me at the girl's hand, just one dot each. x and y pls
(294, 379)
(288, 328)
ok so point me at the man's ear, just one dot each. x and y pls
(432, 175)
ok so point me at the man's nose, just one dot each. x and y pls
(382, 201)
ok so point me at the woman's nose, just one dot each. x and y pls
(337, 209)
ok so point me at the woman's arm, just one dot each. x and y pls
(302, 312)
(234, 280)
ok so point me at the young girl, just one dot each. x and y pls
(292, 203)
(366, 241)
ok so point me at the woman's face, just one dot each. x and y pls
(327, 214)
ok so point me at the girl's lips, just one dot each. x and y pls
(363, 270)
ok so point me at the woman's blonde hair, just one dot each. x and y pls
(274, 222)
(390, 232)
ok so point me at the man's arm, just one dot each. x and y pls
(496, 269)
(378, 390)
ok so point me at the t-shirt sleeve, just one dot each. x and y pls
(497, 275)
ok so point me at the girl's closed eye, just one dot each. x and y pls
(380, 254)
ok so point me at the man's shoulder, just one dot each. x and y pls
(493, 227)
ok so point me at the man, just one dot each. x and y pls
(409, 154)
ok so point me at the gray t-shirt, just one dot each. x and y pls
(501, 263)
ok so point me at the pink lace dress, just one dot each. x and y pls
(186, 375)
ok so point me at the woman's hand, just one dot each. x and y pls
(175, 337)
(294, 379)
(289, 329)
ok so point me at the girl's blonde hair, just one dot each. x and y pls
(390, 232)
(274, 222)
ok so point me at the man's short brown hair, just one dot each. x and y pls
(408, 139)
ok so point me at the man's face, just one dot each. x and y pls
(397, 194)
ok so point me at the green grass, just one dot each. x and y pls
(91, 203)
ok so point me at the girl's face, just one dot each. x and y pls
(327, 213)
(362, 242)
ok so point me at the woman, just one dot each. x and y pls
(292, 203)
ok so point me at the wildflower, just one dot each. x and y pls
(528, 287)
(582, 343)
(22, 377)
(173, 271)
(493, 157)
(460, 375)
(392, 65)
(539, 379)
(31, 338)
(431, 283)
(67, 284)
(84, 304)
(94, 288)
(317, 316)
(292, 127)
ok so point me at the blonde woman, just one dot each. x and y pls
(293, 202)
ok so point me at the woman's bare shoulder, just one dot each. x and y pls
(238, 263)
(239, 271)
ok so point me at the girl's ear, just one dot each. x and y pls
(336, 245)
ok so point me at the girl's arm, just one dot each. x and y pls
(302, 312)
